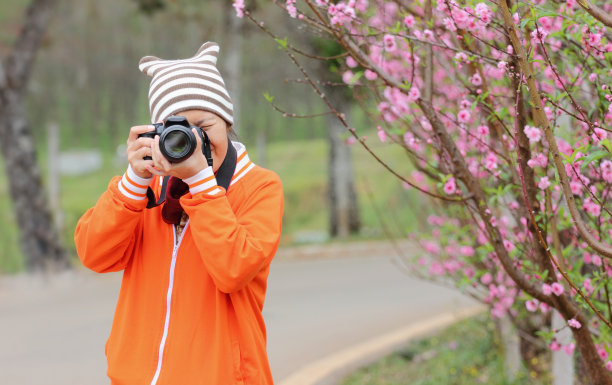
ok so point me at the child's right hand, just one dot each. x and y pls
(138, 148)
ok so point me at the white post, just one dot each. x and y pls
(512, 348)
(54, 174)
(562, 363)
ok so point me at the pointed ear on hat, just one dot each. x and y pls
(147, 65)
(208, 51)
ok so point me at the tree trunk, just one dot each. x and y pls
(343, 205)
(39, 238)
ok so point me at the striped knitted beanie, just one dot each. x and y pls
(186, 84)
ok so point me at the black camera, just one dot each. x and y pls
(176, 140)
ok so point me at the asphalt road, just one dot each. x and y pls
(53, 330)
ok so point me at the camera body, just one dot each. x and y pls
(177, 141)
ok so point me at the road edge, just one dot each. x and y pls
(331, 369)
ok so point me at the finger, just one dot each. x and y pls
(140, 153)
(154, 171)
(139, 143)
(159, 160)
(198, 138)
(137, 130)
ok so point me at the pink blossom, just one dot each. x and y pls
(533, 134)
(603, 354)
(292, 10)
(592, 77)
(594, 39)
(482, 131)
(476, 79)
(414, 94)
(588, 287)
(382, 135)
(468, 251)
(409, 21)
(460, 57)
(554, 346)
(351, 62)
(351, 140)
(486, 278)
(491, 161)
(483, 12)
(574, 323)
(544, 183)
(418, 176)
(606, 170)
(461, 18)
(596, 260)
(609, 366)
(599, 134)
(389, 41)
(431, 248)
(569, 348)
(436, 269)
(557, 289)
(531, 305)
(546, 289)
(450, 187)
(370, 75)
(576, 188)
(348, 76)
(591, 207)
(239, 7)
(464, 116)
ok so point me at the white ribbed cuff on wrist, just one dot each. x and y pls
(133, 186)
(204, 181)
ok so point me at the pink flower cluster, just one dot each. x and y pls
(534, 134)
(396, 48)
(239, 7)
(575, 324)
(342, 13)
(556, 288)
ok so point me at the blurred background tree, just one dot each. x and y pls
(40, 242)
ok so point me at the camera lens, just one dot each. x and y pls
(177, 143)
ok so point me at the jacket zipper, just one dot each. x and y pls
(162, 343)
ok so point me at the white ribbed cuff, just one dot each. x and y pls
(204, 181)
(133, 186)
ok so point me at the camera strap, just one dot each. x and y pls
(162, 195)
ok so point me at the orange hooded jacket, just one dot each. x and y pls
(190, 310)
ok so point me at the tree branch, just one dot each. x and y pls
(542, 121)
(596, 12)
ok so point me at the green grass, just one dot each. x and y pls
(466, 353)
(302, 168)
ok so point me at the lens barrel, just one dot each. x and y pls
(177, 143)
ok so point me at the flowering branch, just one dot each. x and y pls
(542, 121)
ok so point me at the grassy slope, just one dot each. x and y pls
(302, 168)
(466, 353)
